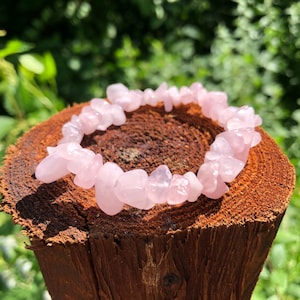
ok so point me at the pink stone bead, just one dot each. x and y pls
(106, 179)
(81, 160)
(105, 121)
(162, 95)
(158, 184)
(178, 190)
(118, 93)
(128, 100)
(86, 177)
(196, 187)
(89, 119)
(130, 189)
(115, 91)
(137, 99)
(244, 117)
(239, 148)
(256, 139)
(235, 140)
(249, 135)
(105, 116)
(196, 87)
(72, 131)
(168, 103)
(207, 175)
(51, 168)
(220, 147)
(124, 101)
(150, 98)
(199, 93)
(235, 124)
(213, 185)
(99, 104)
(186, 96)
(226, 115)
(102, 109)
(220, 189)
(214, 105)
(64, 150)
(229, 168)
(174, 94)
(196, 90)
(161, 90)
(118, 115)
(84, 164)
(52, 150)
(247, 115)
(222, 153)
(257, 120)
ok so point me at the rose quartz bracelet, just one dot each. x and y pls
(113, 187)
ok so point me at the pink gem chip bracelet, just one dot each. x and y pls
(225, 159)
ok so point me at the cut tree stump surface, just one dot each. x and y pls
(168, 252)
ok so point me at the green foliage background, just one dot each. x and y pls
(54, 53)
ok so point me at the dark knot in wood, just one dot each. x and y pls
(171, 280)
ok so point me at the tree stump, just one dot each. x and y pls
(208, 249)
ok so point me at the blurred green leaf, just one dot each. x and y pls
(6, 124)
(286, 236)
(14, 47)
(279, 279)
(294, 290)
(32, 63)
(278, 256)
(50, 71)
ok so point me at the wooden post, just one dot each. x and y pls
(209, 249)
